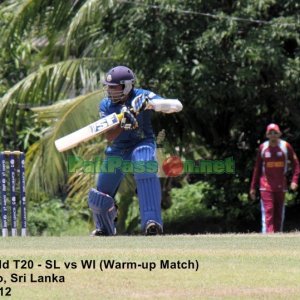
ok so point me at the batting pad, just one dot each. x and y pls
(104, 211)
(148, 187)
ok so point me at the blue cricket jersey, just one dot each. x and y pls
(130, 138)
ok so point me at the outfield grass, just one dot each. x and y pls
(230, 267)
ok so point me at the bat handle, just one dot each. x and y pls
(120, 116)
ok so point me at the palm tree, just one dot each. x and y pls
(64, 72)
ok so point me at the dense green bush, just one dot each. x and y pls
(53, 217)
(200, 208)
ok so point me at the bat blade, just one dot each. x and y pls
(88, 132)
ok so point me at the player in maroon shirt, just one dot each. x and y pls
(270, 174)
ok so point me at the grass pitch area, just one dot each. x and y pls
(229, 267)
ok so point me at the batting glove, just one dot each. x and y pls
(139, 103)
(128, 121)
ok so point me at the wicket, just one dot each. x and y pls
(16, 160)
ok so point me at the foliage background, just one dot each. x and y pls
(235, 65)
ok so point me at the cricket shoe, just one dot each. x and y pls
(98, 232)
(153, 228)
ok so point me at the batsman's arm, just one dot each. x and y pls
(127, 120)
(167, 106)
(113, 133)
(156, 103)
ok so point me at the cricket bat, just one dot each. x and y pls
(113, 120)
(88, 132)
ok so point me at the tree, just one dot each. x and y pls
(234, 64)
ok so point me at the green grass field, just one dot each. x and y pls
(230, 267)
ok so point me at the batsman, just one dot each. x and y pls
(132, 140)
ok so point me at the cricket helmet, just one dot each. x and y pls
(120, 75)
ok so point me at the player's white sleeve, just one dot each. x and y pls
(167, 106)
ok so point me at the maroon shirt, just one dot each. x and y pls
(271, 167)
